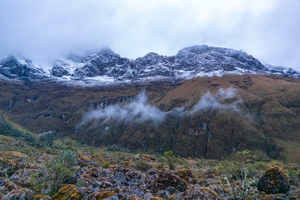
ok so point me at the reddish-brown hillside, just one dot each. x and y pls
(263, 115)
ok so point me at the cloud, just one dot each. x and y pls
(140, 111)
(212, 102)
(45, 30)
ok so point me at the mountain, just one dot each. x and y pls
(203, 102)
(107, 67)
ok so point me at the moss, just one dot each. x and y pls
(275, 180)
(41, 197)
(16, 154)
(134, 197)
(68, 192)
(101, 195)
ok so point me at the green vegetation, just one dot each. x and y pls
(35, 141)
(62, 168)
(6, 129)
(117, 148)
(170, 158)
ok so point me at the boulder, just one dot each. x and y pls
(134, 197)
(69, 192)
(45, 157)
(185, 174)
(166, 179)
(275, 180)
(101, 195)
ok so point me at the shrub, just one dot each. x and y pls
(62, 169)
(105, 165)
(260, 165)
(117, 148)
(170, 159)
(141, 165)
(243, 187)
(294, 176)
(70, 147)
(60, 172)
(32, 179)
(161, 159)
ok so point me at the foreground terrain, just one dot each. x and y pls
(30, 169)
(27, 172)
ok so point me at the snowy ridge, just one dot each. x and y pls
(107, 67)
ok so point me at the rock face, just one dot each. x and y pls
(275, 180)
(13, 68)
(189, 62)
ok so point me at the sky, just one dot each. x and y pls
(46, 30)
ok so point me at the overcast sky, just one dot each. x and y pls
(47, 29)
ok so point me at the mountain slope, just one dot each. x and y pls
(253, 112)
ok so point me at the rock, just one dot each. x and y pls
(2, 182)
(134, 197)
(45, 157)
(84, 158)
(163, 194)
(16, 154)
(275, 180)
(10, 186)
(166, 179)
(185, 174)
(148, 196)
(148, 157)
(41, 197)
(70, 191)
(20, 193)
(196, 192)
(249, 161)
(101, 195)
(133, 175)
(171, 190)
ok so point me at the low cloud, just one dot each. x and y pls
(209, 101)
(140, 111)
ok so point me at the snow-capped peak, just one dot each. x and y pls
(108, 67)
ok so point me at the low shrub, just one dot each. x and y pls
(170, 158)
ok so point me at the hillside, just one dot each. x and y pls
(255, 112)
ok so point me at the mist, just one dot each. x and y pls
(45, 30)
(209, 101)
(136, 111)
(140, 111)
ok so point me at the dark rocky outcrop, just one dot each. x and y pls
(275, 180)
